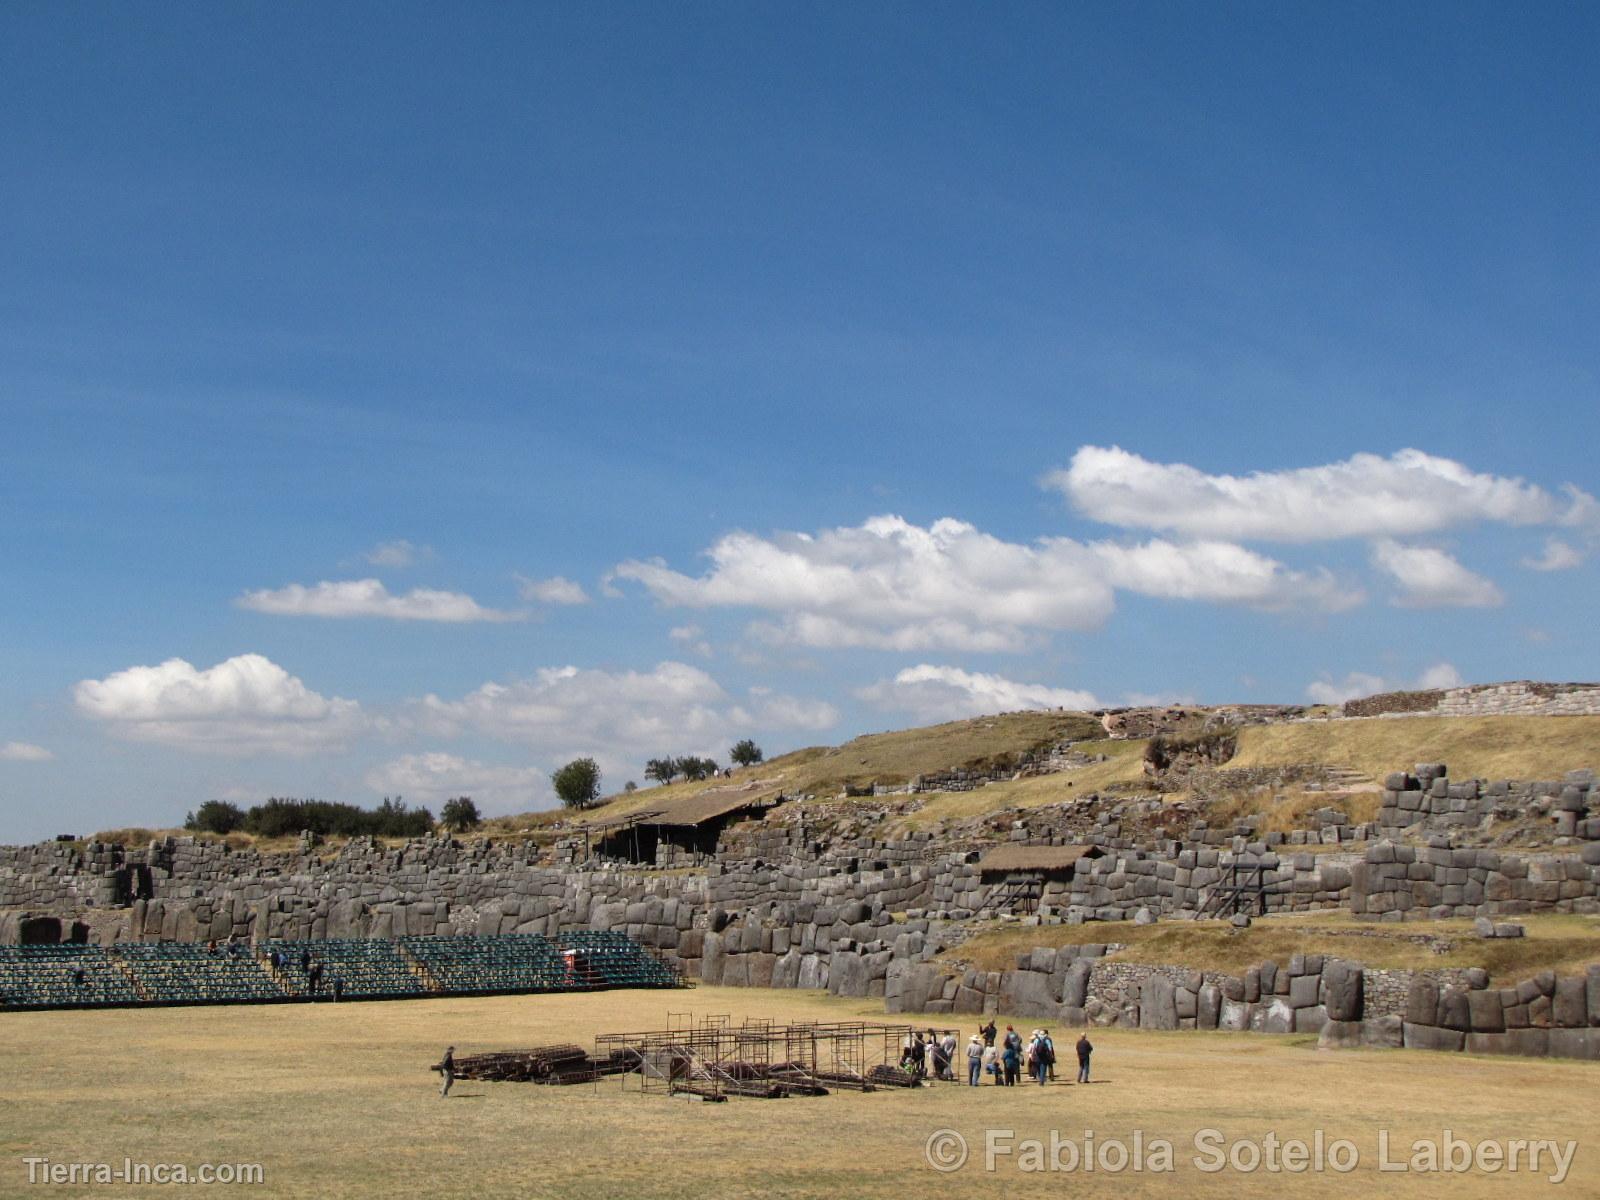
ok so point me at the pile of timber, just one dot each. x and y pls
(542, 1064)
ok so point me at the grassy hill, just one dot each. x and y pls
(890, 759)
(1486, 747)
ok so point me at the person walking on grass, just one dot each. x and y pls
(1084, 1050)
(974, 1060)
(1043, 1056)
(447, 1071)
(1011, 1053)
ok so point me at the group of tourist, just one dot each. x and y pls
(931, 1055)
(1003, 1059)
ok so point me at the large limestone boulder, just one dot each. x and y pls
(1158, 1008)
(1279, 1016)
(1075, 984)
(1432, 1037)
(1340, 1035)
(1342, 990)
(1569, 1007)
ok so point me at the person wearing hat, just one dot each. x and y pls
(974, 1059)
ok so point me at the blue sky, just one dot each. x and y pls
(681, 373)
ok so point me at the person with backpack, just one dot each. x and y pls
(1044, 1054)
(1011, 1054)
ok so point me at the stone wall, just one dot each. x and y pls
(1343, 1002)
(1397, 882)
(1428, 798)
(1523, 698)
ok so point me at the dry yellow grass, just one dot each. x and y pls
(888, 758)
(335, 1101)
(1558, 942)
(1482, 747)
(1123, 768)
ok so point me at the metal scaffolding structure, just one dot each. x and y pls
(714, 1059)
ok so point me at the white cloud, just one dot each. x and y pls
(1352, 687)
(24, 752)
(369, 598)
(1440, 675)
(934, 693)
(1221, 572)
(398, 553)
(619, 717)
(433, 777)
(245, 705)
(1431, 578)
(556, 590)
(1365, 496)
(693, 637)
(887, 584)
(1557, 556)
(894, 585)
(774, 710)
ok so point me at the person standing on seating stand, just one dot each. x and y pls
(338, 988)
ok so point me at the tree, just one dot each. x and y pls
(461, 814)
(630, 786)
(693, 767)
(662, 770)
(578, 783)
(215, 816)
(746, 753)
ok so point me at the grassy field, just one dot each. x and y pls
(336, 1101)
(1561, 942)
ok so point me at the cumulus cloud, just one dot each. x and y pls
(893, 585)
(398, 553)
(938, 693)
(1364, 496)
(888, 584)
(556, 590)
(1357, 684)
(693, 637)
(1440, 675)
(369, 598)
(618, 716)
(1352, 687)
(24, 752)
(1223, 573)
(1557, 556)
(1431, 578)
(433, 777)
(244, 705)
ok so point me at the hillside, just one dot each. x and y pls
(1488, 747)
